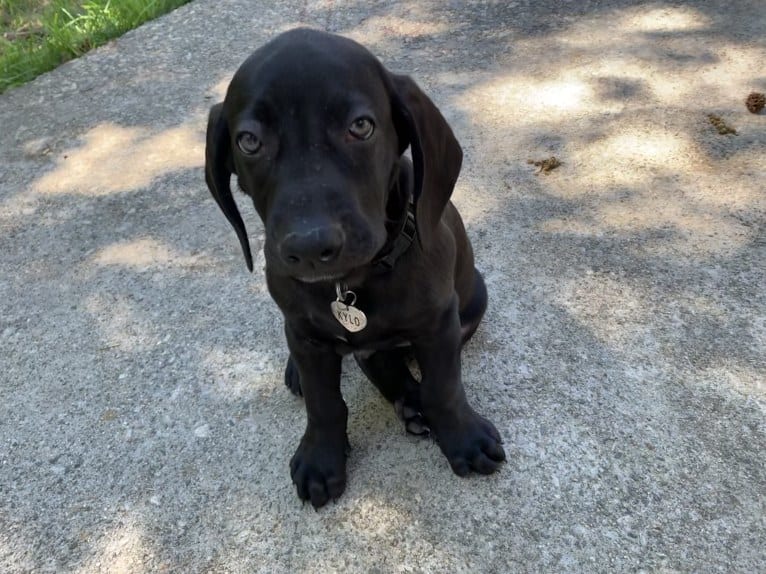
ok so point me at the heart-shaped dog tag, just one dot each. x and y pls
(349, 316)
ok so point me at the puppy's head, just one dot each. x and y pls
(314, 126)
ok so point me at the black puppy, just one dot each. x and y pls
(365, 253)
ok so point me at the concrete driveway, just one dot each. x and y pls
(144, 425)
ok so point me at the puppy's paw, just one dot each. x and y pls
(471, 443)
(293, 378)
(318, 469)
(410, 412)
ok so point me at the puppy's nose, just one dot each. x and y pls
(319, 245)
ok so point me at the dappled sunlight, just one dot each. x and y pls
(619, 316)
(114, 158)
(381, 29)
(727, 189)
(638, 147)
(629, 123)
(560, 72)
(147, 423)
(632, 155)
(526, 101)
(566, 95)
(146, 253)
(473, 213)
(706, 85)
(15, 209)
(626, 317)
(372, 519)
(744, 378)
(373, 516)
(241, 373)
(120, 324)
(707, 232)
(218, 92)
(667, 19)
(124, 549)
(685, 229)
(564, 83)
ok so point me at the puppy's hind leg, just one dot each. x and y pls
(389, 373)
(293, 378)
(473, 311)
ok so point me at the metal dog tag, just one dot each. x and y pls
(349, 316)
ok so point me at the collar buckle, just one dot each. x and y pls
(401, 243)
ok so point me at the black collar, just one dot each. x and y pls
(386, 259)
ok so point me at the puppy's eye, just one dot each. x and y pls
(248, 143)
(361, 128)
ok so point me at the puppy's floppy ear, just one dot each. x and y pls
(436, 153)
(218, 170)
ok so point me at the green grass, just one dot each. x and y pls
(38, 35)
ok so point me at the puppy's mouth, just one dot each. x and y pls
(320, 278)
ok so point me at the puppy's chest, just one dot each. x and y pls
(386, 323)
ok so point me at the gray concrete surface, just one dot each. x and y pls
(144, 426)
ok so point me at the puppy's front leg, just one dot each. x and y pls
(318, 467)
(469, 441)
